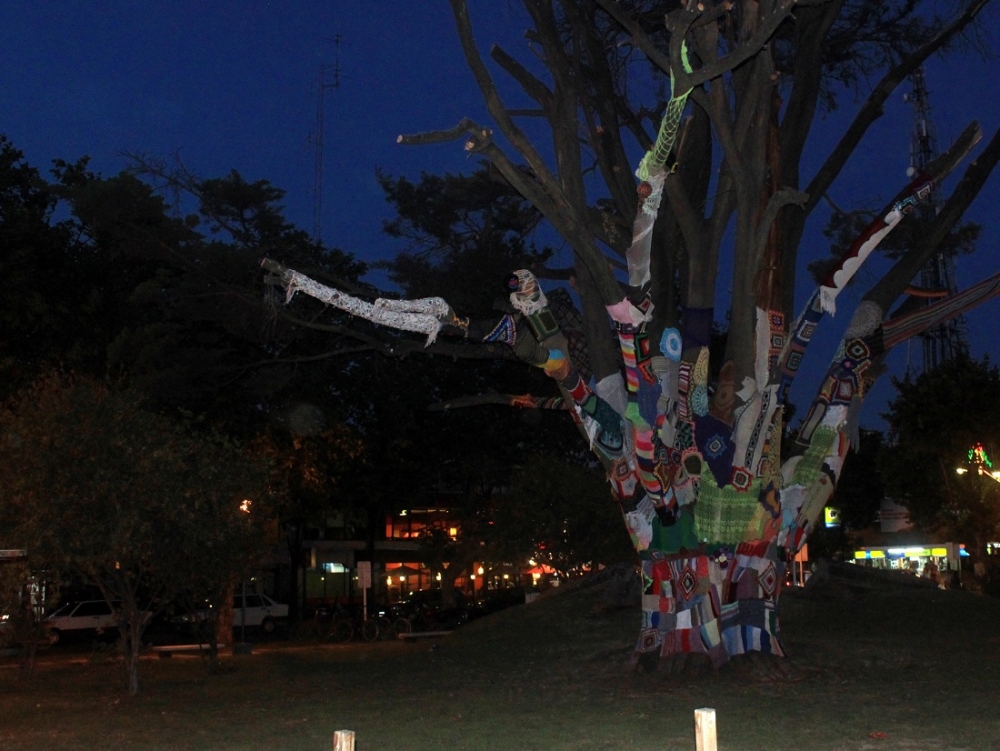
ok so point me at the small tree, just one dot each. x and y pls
(23, 600)
(133, 503)
(558, 514)
(934, 421)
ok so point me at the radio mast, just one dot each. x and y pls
(328, 78)
(947, 340)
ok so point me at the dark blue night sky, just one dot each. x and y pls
(233, 85)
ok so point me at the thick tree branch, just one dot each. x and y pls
(563, 119)
(524, 401)
(737, 57)
(553, 196)
(689, 221)
(464, 127)
(775, 203)
(607, 104)
(532, 86)
(811, 28)
(544, 272)
(480, 141)
(896, 280)
(526, 349)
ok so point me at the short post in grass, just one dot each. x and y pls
(343, 740)
(704, 730)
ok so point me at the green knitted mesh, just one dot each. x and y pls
(656, 157)
(811, 464)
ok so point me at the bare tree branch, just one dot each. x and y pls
(679, 22)
(494, 103)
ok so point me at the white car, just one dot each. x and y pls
(86, 617)
(6, 629)
(262, 612)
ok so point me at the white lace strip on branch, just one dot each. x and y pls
(425, 316)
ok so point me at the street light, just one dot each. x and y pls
(243, 647)
(980, 460)
(983, 472)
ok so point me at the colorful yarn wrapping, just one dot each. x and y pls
(503, 332)
(899, 329)
(867, 241)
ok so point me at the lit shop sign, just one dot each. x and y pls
(913, 552)
(904, 553)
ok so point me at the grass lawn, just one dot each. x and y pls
(909, 669)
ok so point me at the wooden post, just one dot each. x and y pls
(704, 730)
(343, 740)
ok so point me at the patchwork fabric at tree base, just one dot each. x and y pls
(718, 604)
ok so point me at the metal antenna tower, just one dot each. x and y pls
(324, 82)
(947, 340)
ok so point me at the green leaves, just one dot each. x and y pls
(933, 422)
(100, 486)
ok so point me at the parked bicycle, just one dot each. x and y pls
(377, 626)
(327, 624)
(424, 611)
(389, 624)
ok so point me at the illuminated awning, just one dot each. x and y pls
(914, 551)
(540, 570)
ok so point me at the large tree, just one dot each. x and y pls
(692, 449)
(691, 446)
(48, 295)
(189, 329)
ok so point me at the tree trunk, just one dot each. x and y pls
(224, 628)
(132, 648)
(293, 539)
